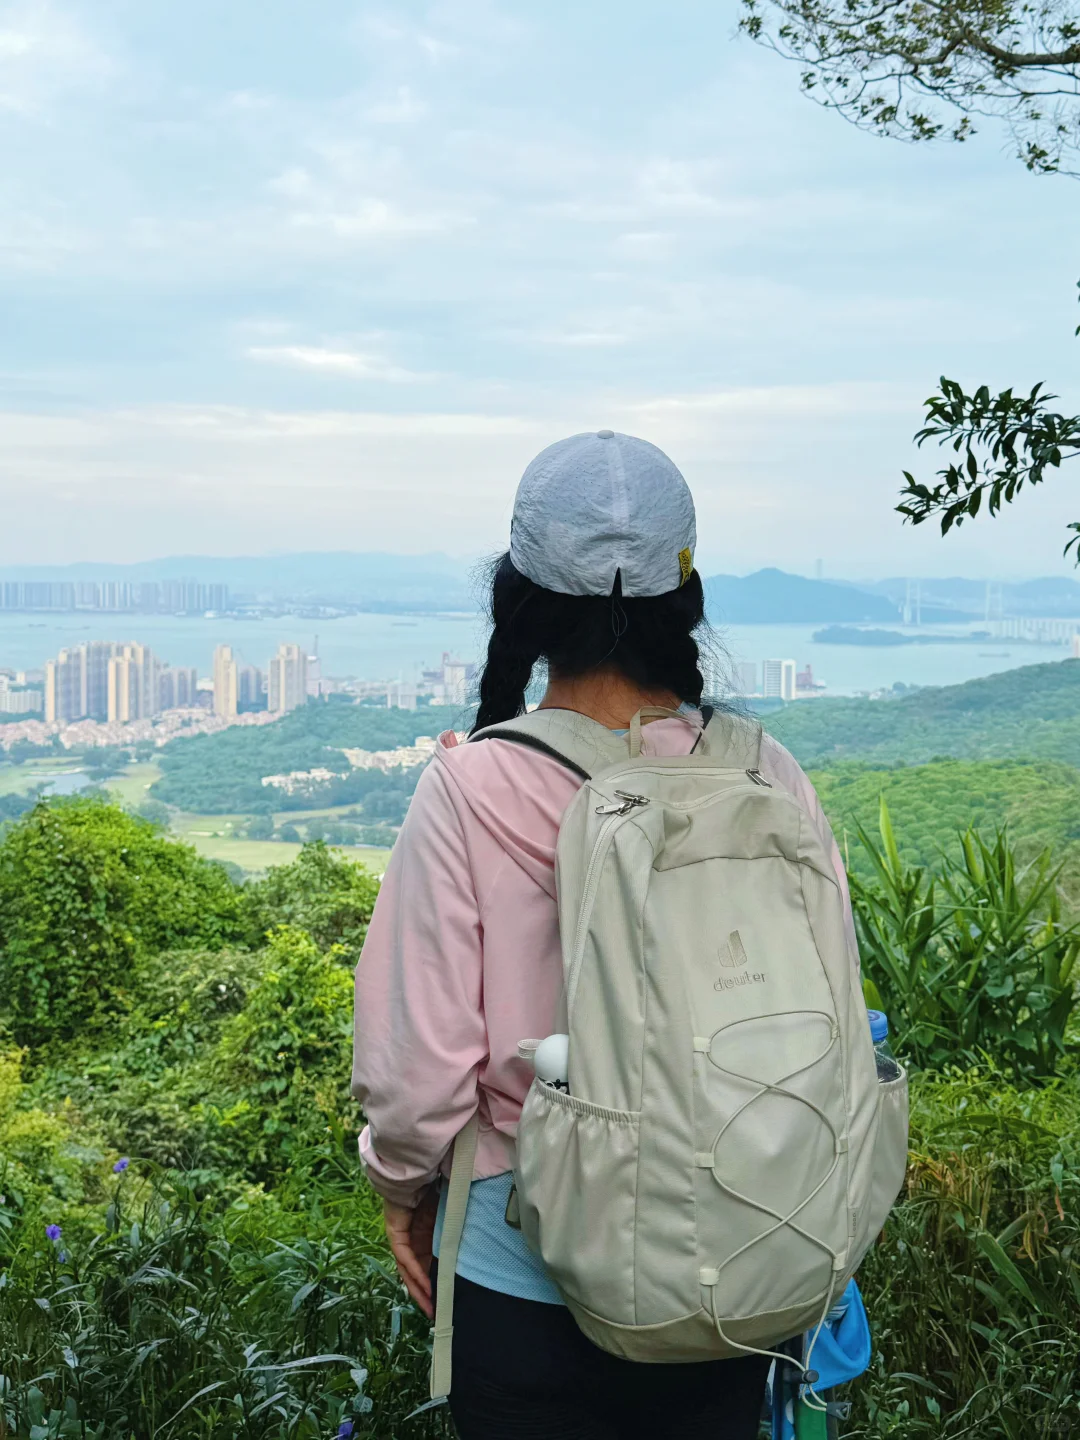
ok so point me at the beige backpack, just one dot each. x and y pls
(726, 1154)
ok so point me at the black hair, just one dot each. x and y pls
(649, 639)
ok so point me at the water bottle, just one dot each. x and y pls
(551, 1062)
(888, 1067)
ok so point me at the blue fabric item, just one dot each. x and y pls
(841, 1353)
(492, 1253)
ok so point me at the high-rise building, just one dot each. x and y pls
(251, 687)
(778, 679)
(226, 682)
(746, 677)
(400, 696)
(149, 596)
(83, 682)
(18, 699)
(176, 688)
(133, 682)
(288, 679)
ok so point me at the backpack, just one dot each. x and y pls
(725, 1154)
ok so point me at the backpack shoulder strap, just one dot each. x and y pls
(584, 746)
(733, 739)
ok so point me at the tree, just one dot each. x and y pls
(260, 827)
(88, 895)
(879, 62)
(922, 69)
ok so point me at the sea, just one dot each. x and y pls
(396, 647)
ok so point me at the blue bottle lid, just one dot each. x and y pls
(879, 1025)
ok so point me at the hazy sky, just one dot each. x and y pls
(324, 276)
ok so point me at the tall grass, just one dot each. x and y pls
(973, 962)
(973, 1291)
(270, 1320)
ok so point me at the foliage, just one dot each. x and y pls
(286, 1054)
(1008, 441)
(900, 67)
(87, 895)
(973, 1290)
(270, 1320)
(222, 774)
(36, 1157)
(322, 893)
(972, 962)
(1033, 712)
(931, 806)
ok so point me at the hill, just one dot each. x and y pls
(222, 774)
(1032, 712)
(772, 597)
(1039, 801)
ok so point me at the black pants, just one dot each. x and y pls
(524, 1371)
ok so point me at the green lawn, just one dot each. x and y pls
(221, 837)
(134, 781)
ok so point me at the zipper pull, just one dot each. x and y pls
(628, 802)
(759, 779)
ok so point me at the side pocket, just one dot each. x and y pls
(577, 1182)
(890, 1151)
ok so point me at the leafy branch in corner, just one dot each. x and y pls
(926, 69)
(1005, 441)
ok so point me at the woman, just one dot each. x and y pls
(462, 957)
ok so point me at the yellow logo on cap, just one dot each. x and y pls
(686, 565)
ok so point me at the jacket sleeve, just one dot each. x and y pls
(419, 1032)
(783, 765)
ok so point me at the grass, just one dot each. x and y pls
(132, 785)
(219, 837)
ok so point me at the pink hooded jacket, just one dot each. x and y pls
(462, 957)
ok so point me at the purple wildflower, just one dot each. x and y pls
(52, 1232)
(345, 1429)
(121, 1165)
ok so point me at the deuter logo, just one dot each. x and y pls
(733, 957)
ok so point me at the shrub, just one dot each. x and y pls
(974, 1289)
(328, 896)
(184, 1320)
(286, 1054)
(973, 962)
(88, 894)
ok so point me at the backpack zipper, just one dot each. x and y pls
(628, 802)
(614, 814)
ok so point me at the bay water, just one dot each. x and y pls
(396, 647)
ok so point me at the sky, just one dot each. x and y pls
(326, 276)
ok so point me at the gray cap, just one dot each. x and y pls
(598, 504)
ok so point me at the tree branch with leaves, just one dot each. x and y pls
(898, 67)
(1006, 442)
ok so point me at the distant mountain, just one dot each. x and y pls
(773, 597)
(433, 580)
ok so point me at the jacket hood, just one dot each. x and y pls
(517, 793)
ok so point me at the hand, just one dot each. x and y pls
(410, 1233)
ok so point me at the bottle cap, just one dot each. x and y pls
(879, 1025)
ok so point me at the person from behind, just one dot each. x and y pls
(463, 958)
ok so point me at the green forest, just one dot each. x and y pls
(222, 774)
(1032, 712)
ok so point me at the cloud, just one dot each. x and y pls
(44, 53)
(362, 366)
